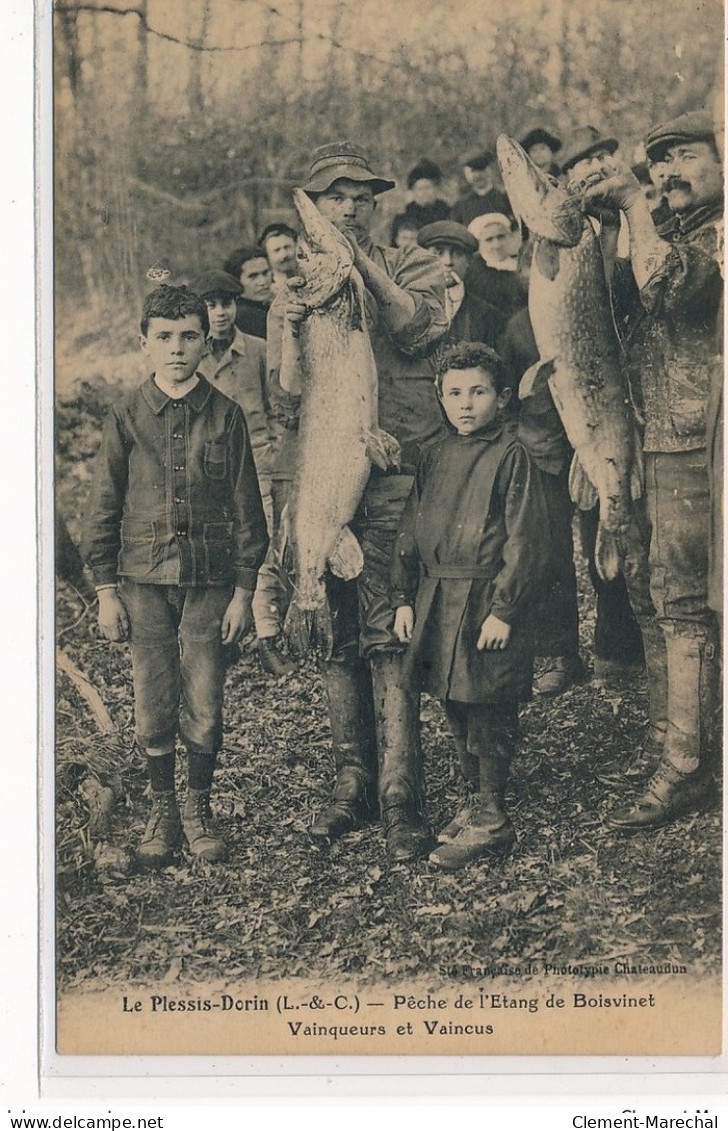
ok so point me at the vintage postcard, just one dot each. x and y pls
(452, 785)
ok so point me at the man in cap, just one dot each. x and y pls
(374, 720)
(279, 244)
(479, 171)
(425, 207)
(471, 319)
(235, 363)
(540, 145)
(672, 354)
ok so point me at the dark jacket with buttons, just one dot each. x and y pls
(175, 497)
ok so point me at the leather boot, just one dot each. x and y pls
(490, 828)
(349, 695)
(682, 782)
(470, 776)
(202, 838)
(641, 762)
(162, 834)
(401, 792)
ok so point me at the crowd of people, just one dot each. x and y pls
(468, 550)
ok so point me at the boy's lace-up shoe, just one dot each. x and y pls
(163, 833)
(199, 829)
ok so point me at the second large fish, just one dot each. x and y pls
(579, 352)
(339, 435)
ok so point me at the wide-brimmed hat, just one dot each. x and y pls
(216, 282)
(447, 231)
(538, 135)
(339, 159)
(582, 143)
(696, 125)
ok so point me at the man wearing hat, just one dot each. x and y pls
(540, 145)
(374, 720)
(480, 171)
(471, 319)
(671, 352)
(585, 150)
(235, 363)
(425, 207)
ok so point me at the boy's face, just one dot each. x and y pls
(469, 399)
(175, 347)
(255, 279)
(221, 310)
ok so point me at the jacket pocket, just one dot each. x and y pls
(138, 540)
(215, 459)
(217, 538)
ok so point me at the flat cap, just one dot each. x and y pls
(216, 282)
(339, 159)
(696, 125)
(540, 135)
(583, 143)
(478, 158)
(447, 231)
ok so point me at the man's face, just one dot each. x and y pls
(349, 205)
(694, 176)
(281, 252)
(255, 279)
(454, 261)
(221, 310)
(493, 243)
(424, 191)
(541, 155)
(592, 163)
(174, 347)
(480, 180)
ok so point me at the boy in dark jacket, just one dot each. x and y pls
(471, 543)
(175, 533)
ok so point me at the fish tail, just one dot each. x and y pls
(606, 553)
(306, 629)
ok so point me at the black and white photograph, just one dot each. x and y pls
(387, 498)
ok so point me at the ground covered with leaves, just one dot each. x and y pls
(572, 891)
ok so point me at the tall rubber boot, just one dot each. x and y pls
(401, 788)
(682, 782)
(642, 761)
(490, 829)
(351, 716)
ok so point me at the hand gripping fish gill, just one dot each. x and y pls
(571, 315)
(339, 434)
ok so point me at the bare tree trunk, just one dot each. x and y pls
(195, 96)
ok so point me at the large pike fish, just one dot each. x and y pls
(339, 434)
(580, 354)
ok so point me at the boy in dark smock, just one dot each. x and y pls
(471, 544)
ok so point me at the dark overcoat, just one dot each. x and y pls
(472, 541)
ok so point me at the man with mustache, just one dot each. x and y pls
(669, 306)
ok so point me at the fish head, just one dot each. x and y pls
(544, 206)
(324, 257)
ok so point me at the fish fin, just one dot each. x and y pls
(383, 450)
(637, 475)
(606, 554)
(581, 489)
(547, 259)
(535, 378)
(346, 560)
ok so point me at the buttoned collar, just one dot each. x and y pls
(158, 400)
